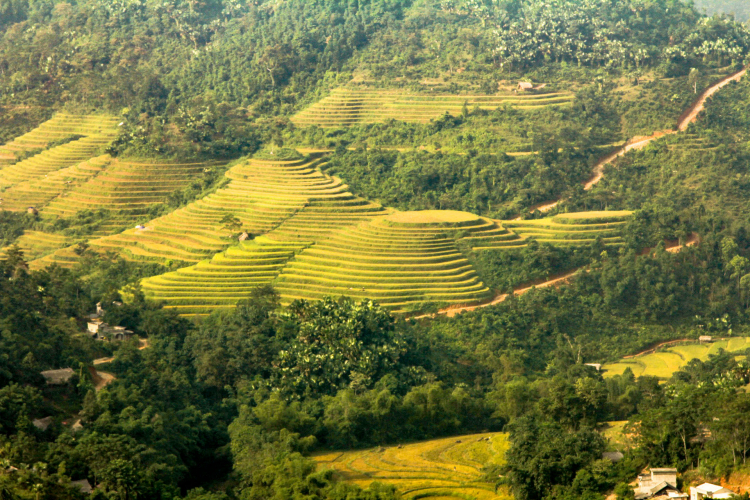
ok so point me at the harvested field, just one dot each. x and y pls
(346, 107)
(436, 469)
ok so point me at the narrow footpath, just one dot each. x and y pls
(102, 379)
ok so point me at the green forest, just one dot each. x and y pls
(237, 403)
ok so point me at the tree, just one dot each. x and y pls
(543, 454)
(231, 223)
(738, 266)
(333, 341)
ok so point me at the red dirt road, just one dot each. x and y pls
(688, 117)
(454, 310)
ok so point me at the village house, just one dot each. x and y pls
(100, 330)
(660, 483)
(708, 490)
(524, 86)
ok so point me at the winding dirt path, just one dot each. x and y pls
(688, 117)
(143, 343)
(454, 310)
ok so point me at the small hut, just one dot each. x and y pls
(705, 339)
(525, 86)
(244, 236)
(32, 211)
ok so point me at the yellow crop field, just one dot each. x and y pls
(436, 469)
(86, 135)
(311, 237)
(345, 107)
(665, 363)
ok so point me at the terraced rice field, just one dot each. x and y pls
(35, 244)
(404, 261)
(292, 201)
(346, 107)
(574, 228)
(127, 188)
(439, 469)
(317, 238)
(61, 126)
(224, 280)
(666, 362)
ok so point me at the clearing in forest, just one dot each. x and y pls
(345, 107)
(437, 469)
(665, 362)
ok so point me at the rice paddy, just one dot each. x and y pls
(407, 261)
(345, 107)
(574, 228)
(437, 469)
(291, 201)
(35, 244)
(88, 134)
(309, 236)
(59, 127)
(665, 362)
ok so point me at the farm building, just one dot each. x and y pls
(708, 490)
(100, 330)
(705, 338)
(58, 377)
(526, 86)
(595, 366)
(659, 483)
